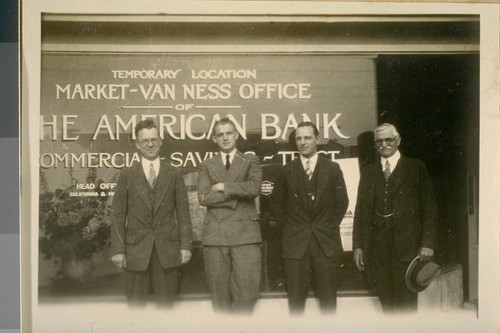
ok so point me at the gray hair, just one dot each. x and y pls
(384, 126)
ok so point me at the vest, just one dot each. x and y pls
(382, 201)
(151, 194)
(311, 188)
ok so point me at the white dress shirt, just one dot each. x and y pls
(393, 160)
(312, 161)
(146, 165)
(231, 156)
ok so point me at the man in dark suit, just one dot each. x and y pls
(309, 200)
(228, 185)
(151, 226)
(395, 220)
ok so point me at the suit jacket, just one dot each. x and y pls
(290, 208)
(232, 217)
(414, 207)
(136, 226)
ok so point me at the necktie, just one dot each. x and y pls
(308, 169)
(387, 170)
(152, 176)
(228, 163)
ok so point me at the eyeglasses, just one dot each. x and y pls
(388, 141)
(154, 142)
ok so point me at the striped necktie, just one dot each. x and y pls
(387, 170)
(152, 176)
(308, 169)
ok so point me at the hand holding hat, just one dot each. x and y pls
(420, 273)
(425, 254)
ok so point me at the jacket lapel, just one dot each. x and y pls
(140, 183)
(322, 170)
(217, 167)
(163, 183)
(297, 175)
(372, 177)
(235, 167)
(399, 173)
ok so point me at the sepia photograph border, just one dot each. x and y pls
(89, 317)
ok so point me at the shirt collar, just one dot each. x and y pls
(393, 160)
(312, 160)
(231, 156)
(145, 165)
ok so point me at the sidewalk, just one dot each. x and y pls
(354, 314)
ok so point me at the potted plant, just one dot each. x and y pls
(73, 228)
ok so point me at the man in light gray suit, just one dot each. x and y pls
(228, 184)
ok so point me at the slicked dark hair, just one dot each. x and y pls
(145, 124)
(308, 123)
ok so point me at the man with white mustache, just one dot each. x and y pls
(395, 220)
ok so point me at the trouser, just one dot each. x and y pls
(233, 275)
(389, 273)
(163, 283)
(298, 276)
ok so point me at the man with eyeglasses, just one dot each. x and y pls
(150, 222)
(395, 220)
